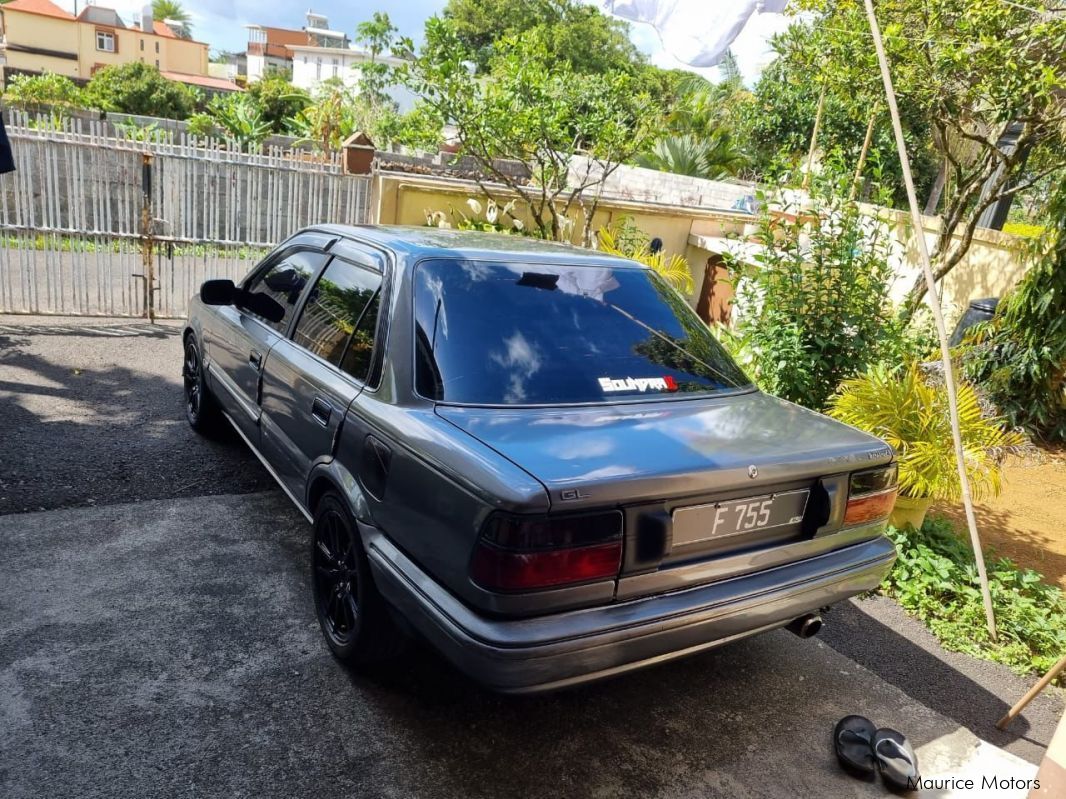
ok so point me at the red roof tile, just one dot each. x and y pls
(206, 81)
(44, 7)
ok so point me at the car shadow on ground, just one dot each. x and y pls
(93, 420)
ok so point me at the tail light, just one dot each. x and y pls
(871, 495)
(522, 553)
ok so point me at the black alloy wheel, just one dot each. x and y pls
(336, 578)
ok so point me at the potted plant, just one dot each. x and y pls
(911, 413)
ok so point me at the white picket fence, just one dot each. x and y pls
(84, 204)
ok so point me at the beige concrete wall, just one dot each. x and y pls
(37, 30)
(176, 55)
(402, 199)
(993, 265)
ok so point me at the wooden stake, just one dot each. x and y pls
(1019, 706)
(862, 156)
(814, 139)
(938, 316)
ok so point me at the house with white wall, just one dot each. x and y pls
(311, 65)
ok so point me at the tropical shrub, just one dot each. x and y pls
(910, 412)
(935, 579)
(44, 89)
(712, 157)
(278, 100)
(628, 241)
(1019, 357)
(814, 308)
(201, 124)
(240, 118)
(137, 88)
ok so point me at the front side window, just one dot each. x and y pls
(339, 319)
(512, 334)
(285, 281)
(105, 41)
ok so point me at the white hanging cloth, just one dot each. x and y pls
(695, 32)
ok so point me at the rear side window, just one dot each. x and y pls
(510, 334)
(285, 282)
(340, 317)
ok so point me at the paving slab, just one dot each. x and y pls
(169, 648)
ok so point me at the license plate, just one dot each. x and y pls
(698, 523)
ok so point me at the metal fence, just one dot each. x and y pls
(97, 224)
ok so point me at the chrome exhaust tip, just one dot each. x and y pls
(806, 626)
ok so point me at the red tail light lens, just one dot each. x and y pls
(522, 553)
(871, 495)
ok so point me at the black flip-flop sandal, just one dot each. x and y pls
(896, 758)
(853, 744)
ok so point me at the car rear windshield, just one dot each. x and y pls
(509, 334)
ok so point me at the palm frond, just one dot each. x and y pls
(911, 414)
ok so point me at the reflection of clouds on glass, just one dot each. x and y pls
(521, 360)
(435, 285)
(475, 270)
(587, 282)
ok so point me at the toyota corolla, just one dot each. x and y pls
(534, 456)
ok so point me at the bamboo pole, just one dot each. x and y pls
(814, 138)
(862, 155)
(1031, 694)
(938, 316)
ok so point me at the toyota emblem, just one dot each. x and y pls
(753, 471)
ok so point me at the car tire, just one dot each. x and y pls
(356, 621)
(201, 411)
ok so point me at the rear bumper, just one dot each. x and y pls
(563, 649)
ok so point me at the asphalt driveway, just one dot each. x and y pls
(170, 648)
(158, 638)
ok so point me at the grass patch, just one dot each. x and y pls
(935, 579)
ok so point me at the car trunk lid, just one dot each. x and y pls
(654, 459)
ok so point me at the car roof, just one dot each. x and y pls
(422, 241)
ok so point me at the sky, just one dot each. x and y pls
(221, 24)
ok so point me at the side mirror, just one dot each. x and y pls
(218, 292)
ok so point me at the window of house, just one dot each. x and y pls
(157, 47)
(105, 41)
(318, 69)
(142, 45)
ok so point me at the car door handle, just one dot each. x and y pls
(255, 358)
(321, 410)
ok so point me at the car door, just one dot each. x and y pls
(239, 350)
(311, 378)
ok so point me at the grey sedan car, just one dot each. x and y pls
(535, 457)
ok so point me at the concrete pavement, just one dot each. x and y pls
(169, 647)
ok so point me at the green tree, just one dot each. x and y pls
(536, 109)
(377, 36)
(137, 88)
(574, 32)
(972, 69)
(174, 11)
(775, 121)
(278, 100)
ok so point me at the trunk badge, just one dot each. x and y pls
(753, 471)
